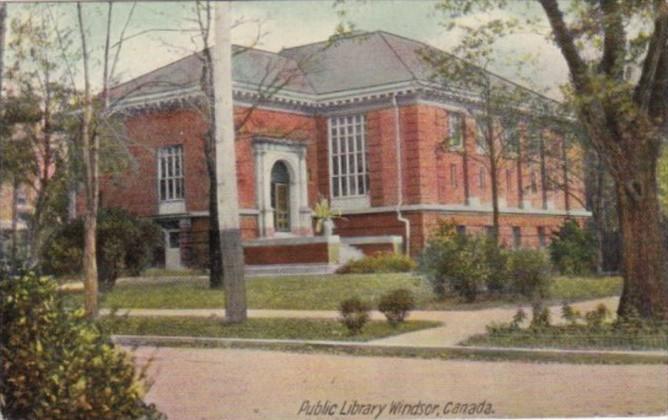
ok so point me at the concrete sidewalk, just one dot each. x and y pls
(457, 325)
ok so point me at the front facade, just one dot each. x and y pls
(358, 123)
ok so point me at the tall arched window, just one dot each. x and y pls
(280, 196)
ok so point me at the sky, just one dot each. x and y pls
(166, 31)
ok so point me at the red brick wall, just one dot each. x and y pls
(137, 189)
(303, 254)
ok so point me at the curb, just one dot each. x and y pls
(370, 349)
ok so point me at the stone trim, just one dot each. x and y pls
(383, 239)
(459, 208)
(292, 241)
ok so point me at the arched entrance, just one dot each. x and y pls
(280, 196)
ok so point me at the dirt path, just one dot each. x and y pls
(248, 384)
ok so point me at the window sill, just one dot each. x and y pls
(351, 203)
(172, 207)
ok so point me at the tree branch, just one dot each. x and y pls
(657, 48)
(614, 40)
(564, 39)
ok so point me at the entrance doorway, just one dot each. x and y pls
(280, 196)
(172, 249)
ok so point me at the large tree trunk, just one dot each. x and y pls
(644, 256)
(226, 176)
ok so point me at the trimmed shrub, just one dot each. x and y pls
(597, 317)
(56, 364)
(454, 262)
(396, 304)
(125, 244)
(573, 250)
(354, 314)
(380, 262)
(529, 271)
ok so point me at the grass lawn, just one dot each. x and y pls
(267, 328)
(574, 337)
(299, 292)
(323, 292)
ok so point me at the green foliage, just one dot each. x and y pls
(396, 304)
(529, 271)
(354, 314)
(596, 317)
(266, 328)
(519, 317)
(125, 244)
(455, 262)
(322, 212)
(573, 250)
(467, 264)
(497, 261)
(56, 364)
(593, 330)
(380, 262)
(540, 317)
(569, 314)
(662, 174)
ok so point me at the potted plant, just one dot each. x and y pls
(324, 215)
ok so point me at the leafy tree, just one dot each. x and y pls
(40, 109)
(57, 364)
(125, 245)
(572, 249)
(508, 122)
(617, 59)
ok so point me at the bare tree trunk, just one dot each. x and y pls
(105, 73)
(15, 219)
(215, 256)
(3, 30)
(493, 175)
(90, 149)
(227, 194)
(206, 83)
(567, 189)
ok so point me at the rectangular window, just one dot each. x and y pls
(348, 156)
(461, 230)
(534, 182)
(170, 173)
(480, 141)
(509, 181)
(455, 130)
(453, 175)
(482, 178)
(489, 231)
(542, 239)
(517, 237)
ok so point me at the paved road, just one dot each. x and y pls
(252, 384)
